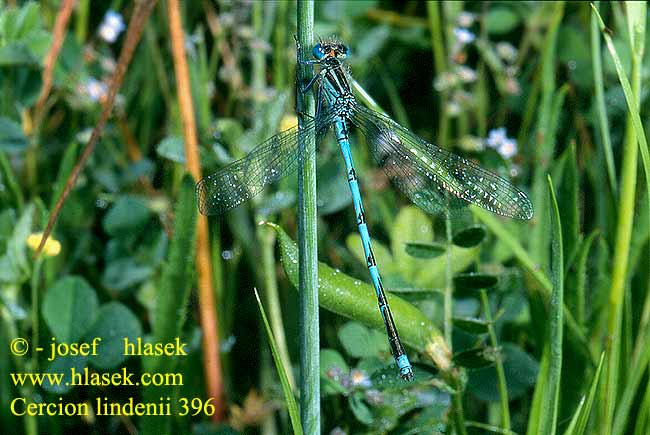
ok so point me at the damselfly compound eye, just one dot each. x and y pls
(318, 51)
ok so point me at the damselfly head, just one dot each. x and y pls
(330, 48)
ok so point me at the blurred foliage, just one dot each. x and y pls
(123, 266)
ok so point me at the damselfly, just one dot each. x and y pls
(432, 178)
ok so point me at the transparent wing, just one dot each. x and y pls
(435, 179)
(245, 178)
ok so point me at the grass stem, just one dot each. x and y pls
(307, 240)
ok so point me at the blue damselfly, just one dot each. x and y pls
(432, 178)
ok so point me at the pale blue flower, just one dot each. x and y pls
(464, 36)
(111, 26)
(499, 140)
(496, 137)
(508, 148)
(95, 89)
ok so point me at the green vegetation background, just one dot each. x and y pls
(549, 324)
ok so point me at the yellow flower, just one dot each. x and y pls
(288, 121)
(51, 248)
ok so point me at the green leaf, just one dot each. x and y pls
(331, 359)
(470, 237)
(383, 257)
(475, 281)
(63, 365)
(425, 250)
(172, 148)
(577, 297)
(360, 410)
(568, 203)
(128, 215)
(520, 371)
(122, 273)
(360, 341)
(12, 188)
(114, 323)
(28, 20)
(471, 325)
(69, 308)
(475, 358)
(12, 138)
(413, 225)
(14, 266)
(15, 54)
(292, 406)
(500, 20)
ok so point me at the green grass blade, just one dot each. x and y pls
(597, 64)
(581, 416)
(534, 420)
(549, 413)
(173, 294)
(9, 178)
(580, 277)
(292, 405)
(626, 402)
(643, 422)
(636, 27)
(630, 98)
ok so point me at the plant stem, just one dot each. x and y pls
(440, 64)
(209, 321)
(459, 415)
(266, 237)
(626, 208)
(449, 287)
(501, 377)
(307, 240)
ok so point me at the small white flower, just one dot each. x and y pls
(506, 51)
(508, 148)
(512, 70)
(95, 89)
(453, 108)
(463, 36)
(444, 81)
(466, 19)
(496, 137)
(111, 26)
(466, 74)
